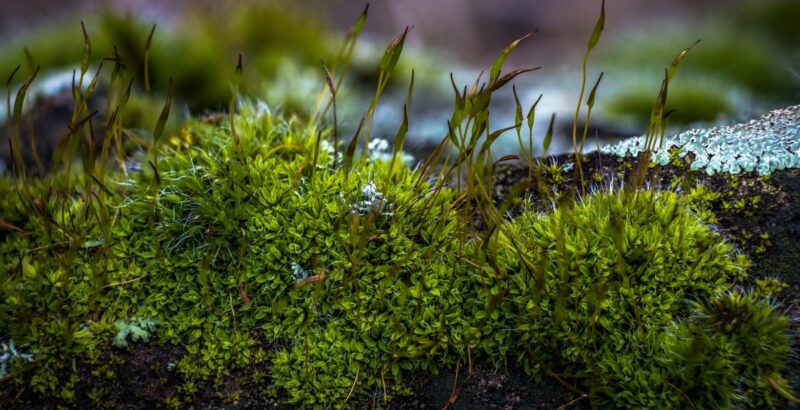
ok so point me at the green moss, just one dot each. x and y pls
(255, 231)
(276, 247)
(603, 284)
(730, 352)
(238, 244)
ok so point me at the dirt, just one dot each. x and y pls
(143, 378)
(486, 388)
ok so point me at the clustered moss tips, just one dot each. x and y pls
(8, 352)
(612, 274)
(713, 351)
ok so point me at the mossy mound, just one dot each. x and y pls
(230, 244)
(255, 243)
(600, 292)
(291, 249)
(259, 243)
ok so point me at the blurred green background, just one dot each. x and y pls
(748, 61)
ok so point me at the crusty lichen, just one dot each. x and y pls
(764, 145)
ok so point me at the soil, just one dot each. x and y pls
(486, 388)
(142, 378)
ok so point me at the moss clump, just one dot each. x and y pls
(51, 269)
(594, 291)
(730, 352)
(255, 241)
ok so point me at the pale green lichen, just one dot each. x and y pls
(298, 272)
(138, 329)
(7, 353)
(763, 145)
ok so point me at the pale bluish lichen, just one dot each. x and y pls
(299, 274)
(763, 145)
(138, 329)
(371, 199)
(7, 353)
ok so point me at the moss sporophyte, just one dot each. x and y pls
(257, 241)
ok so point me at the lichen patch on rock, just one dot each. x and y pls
(763, 145)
